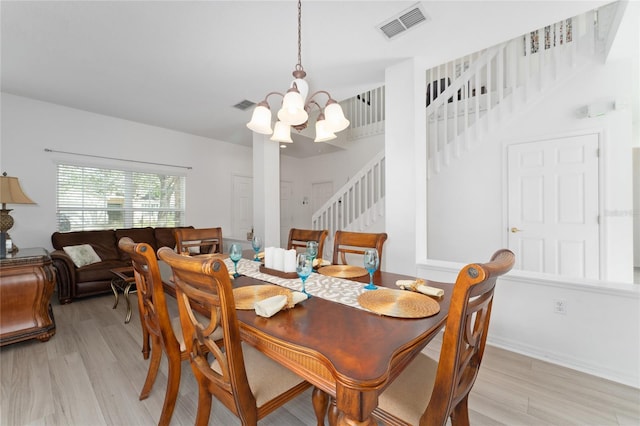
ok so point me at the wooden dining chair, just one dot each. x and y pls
(198, 240)
(298, 239)
(349, 243)
(246, 381)
(428, 392)
(165, 332)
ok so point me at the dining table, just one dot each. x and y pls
(347, 352)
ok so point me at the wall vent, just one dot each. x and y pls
(244, 105)
(403, 21)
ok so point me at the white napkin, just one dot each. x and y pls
(272, 305)
(418, 285)
(290, 260)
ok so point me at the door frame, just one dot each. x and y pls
(602, 225)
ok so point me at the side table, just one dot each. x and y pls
(123, 281)
(27, 280)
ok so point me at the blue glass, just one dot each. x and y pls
(256, 243)
(304, 265)
(235, 254)
(371, 263)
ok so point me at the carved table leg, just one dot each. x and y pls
(320, 402)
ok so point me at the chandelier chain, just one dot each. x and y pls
(299, 65)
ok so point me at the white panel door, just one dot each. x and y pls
(553, 206)
(286, 212)
(242, 206)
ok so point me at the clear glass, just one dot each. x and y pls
(371, 263)
(235, 254)
(312, 250)
(304, 265)
(256, 243)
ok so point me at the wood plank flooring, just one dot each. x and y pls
(91, 371)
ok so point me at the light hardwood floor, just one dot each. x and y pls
(91, 371)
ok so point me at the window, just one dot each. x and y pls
(93, 198)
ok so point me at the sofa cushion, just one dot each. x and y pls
(82, 255)
(138, 235)
(103, 242)
(99, 271)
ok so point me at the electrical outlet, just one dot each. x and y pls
(560, 306)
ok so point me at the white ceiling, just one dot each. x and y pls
(182, 65)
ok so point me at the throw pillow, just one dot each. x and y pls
(82, 255)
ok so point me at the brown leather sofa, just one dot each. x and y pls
(89, 280)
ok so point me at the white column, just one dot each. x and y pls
(405, 165)
(266, 189)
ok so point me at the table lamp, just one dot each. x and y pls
(10, 193)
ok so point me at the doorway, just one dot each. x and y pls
(553, 206)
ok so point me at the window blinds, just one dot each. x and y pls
(90, 198)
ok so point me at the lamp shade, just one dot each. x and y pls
(282, 132)
(292, 111)
(335, 117)
(261, 119)
(323, 134)
(11, 192)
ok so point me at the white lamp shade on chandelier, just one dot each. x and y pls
(323, 133)
(295, 108)
(292, 111)
(261, 120)
(282, 133)
(335, 117)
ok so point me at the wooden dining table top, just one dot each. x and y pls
(350, 354)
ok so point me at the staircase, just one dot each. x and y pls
(467, 101)
(481, 92)
(358, 205)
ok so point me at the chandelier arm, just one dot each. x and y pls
(265, 101)
(319, 92)
(307, 107)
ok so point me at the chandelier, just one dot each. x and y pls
(295, 108)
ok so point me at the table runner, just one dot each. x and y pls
(331, 288)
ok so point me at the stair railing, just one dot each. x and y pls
(357, 204)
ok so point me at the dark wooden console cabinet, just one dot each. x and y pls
(27, 280)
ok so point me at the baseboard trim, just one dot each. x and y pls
(565, 361)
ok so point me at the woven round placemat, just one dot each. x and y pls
(343, 271)
(246, 297)
(399, 303)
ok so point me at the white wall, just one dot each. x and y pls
(476, 179)
(600, 333)
(29, 126)
(337, 167)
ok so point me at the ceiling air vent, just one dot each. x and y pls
(244, 105)
(403, 21)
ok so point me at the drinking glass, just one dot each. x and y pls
(256, 243)
(235, 254)
(371, 263)
(304, 265)
(312, 250)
